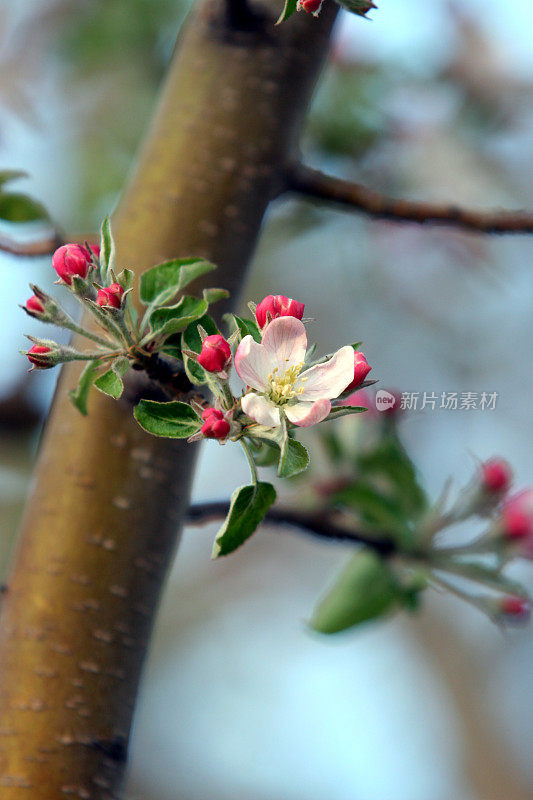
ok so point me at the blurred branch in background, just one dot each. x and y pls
(315, 524)
(317, 185)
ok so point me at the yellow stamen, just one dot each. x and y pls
(282, 388)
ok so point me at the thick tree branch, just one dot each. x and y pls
(107, 499)
(315, 184)
(315, 524)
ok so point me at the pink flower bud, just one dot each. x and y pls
(311, 6)
(215, 426)
(274, 306)
(496, 476)
(95, 250)
(514, 608)
(361, 368)
(110, 296)
(70, 260)
(39, 349)
(216, 353)
(34, 304)
(516, 522)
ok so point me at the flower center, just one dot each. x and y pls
(282, 387)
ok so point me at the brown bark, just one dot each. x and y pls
(107, 501)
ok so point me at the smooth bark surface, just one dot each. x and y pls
(107, 500)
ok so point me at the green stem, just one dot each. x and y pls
(71, 326)
(121, 322)
(228, 395)
(251, 462)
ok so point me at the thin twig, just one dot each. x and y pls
(314, 524)
(315, 184)
(40, 248)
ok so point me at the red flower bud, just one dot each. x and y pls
(216, 353)
(496, 476)
(215, 426)
(311, 6)
(70, 260)
(34, 304)
(110, 296)
(361, 368)
(515, 608)
(39, 349)
(516, 521)
(274, 306)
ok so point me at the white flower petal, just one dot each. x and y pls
(329, 379)
(285, 340)
(253, 364)
(306, 414)
(263, 411)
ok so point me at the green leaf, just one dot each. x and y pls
(341, 411)
(165, 280)
(191, 336)
(213, 295)
(110, 382)
(390, 465)
(247, 327)
(365, 590)
(126, 278)
(174, 420)
(288, 10)
(293, 459)
(16, 207)
(266, 454)
(80, 394)
(374, 508)
(249, 505)
(107, 249)
(174, 319)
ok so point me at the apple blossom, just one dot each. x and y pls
(275, 372)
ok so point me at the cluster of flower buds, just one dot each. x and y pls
(78, 268)
(509, 534)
